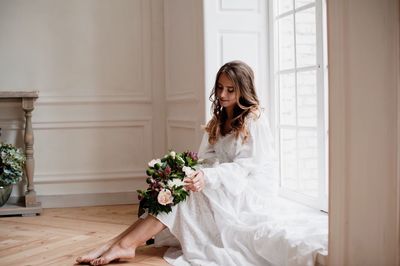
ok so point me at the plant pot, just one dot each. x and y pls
(5, 193)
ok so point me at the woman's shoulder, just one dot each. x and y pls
(254, 113)
(254, 116)
(256, 121)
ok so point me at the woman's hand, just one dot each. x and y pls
(196, 183)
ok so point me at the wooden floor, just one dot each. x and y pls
(58, 236)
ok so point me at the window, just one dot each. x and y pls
(298, 60)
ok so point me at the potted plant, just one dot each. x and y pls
(12, 162)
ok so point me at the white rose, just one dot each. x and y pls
(175, 182)
(188, 171)
(153, 162)
(172, 153)
(165, 197)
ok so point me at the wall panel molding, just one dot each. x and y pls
(111, 95)
(239, 5)
(184, 96)
(100, 73)
(11, 124)
(98, 167)
(146, 52)
(227, 48)
(186, 125)
(183, 58)
(71, 177)
(78, 99)
(184, 72)
(146, 123)
(181, 123)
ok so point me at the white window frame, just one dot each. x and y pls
(321, 202)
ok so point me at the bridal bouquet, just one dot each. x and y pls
(12, 162)
(165, 179)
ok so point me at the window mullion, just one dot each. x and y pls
(288, 13)
(298, 69)
(276, 66)
(321, 91)
(299, 127)
(295, 97)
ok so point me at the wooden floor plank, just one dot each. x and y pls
(71, 224)
(59, 236)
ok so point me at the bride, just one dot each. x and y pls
(233, 215)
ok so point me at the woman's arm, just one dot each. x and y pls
(232, 175)
(250, 156)
(207, 153)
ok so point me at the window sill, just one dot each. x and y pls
(322, 259)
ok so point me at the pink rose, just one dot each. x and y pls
(165, 197)
(167, 171)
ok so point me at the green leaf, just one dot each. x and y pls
(149, 172)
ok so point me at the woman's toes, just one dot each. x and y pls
(83, 259)
(95, 262)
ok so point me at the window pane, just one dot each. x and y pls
(306, 38)
(288, 158)
(300, 3)
(283, 6)
(297, 76)
(307, 162)
(307, 98)
(286, 42)
(287, 97)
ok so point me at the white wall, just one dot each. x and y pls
(184, 73)
(120, 82)
(363, 42)
(99, 69)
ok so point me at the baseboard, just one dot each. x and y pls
(81, 200)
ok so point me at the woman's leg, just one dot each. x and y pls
(94, 254)
(125, 247)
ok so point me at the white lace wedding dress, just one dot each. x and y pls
(238, 218)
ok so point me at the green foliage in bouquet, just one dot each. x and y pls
(165, 179)
(11, 164)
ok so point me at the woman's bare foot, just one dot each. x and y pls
(114, 253)
(94, 254)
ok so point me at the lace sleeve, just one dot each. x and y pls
(207, 153)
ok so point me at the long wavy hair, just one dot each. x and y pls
(247, 102)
